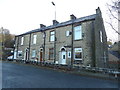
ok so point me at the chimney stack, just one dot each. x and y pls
(55, 22)
(72, 17)
(42, 26)
(98, 11)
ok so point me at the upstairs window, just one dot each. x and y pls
(77, 32)
(101, 39)
(52, 36)
(34, 39)
(22, 40)
(67, 33)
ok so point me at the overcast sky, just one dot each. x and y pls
(20, 16)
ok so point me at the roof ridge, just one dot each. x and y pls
(89, 17)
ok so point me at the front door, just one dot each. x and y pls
(26, 55)
(63, 57)
(41, 56)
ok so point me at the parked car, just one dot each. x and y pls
(10, 58)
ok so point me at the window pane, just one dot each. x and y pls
(77, 33)
(51, 53)
(52, 36)
(67, 33)
(101, 36)
(63, 56)
(52, 32)
(69, 54)
(22, 39)
(33, 53)
(34, 39)
(78, 53)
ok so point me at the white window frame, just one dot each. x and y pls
(78, 30)
(101, 36)
(67, 33)
(52, 36)
(33, 53)
(22, 40)
(69, 54)
(76, 50)
(34, 39)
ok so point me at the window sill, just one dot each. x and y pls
(78, 40)
(51, 41)
(78, 59)
(33, 44)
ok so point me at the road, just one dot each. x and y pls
(27, 76)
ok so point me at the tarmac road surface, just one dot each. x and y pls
(27, 76)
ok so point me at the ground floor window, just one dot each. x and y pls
(78, 53)
(51, 53)
(33, 53)
(69, 54)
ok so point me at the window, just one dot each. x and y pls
(52, 36)
(34, 39)
(77, 32)
(101, 36)
(51, 53)
(22, 40)
(69, 54)
(78, 53)
(67, 33)
(105, 56)
(19, 53)
(33, 53)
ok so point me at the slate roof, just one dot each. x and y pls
(115, 53)
(90, 17)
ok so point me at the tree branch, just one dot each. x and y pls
(113, 28)
(112, 13)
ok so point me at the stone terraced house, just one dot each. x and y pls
(79, 41)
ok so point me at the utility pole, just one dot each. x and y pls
(55, 35)
(72, 36)
(2, 43)
(55, 8)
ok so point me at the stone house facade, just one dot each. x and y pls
(79, 41)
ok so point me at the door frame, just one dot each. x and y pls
(41, 55)
(26, 54)
(62, 50)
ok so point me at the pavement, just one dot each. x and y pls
(0, 75)
(28, 76)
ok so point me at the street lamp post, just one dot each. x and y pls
(55, 8)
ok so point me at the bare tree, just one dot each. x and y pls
(114, 12)
(6, 43)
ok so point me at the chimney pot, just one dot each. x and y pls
(72, 17)
(42, 26)
(55, 22)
